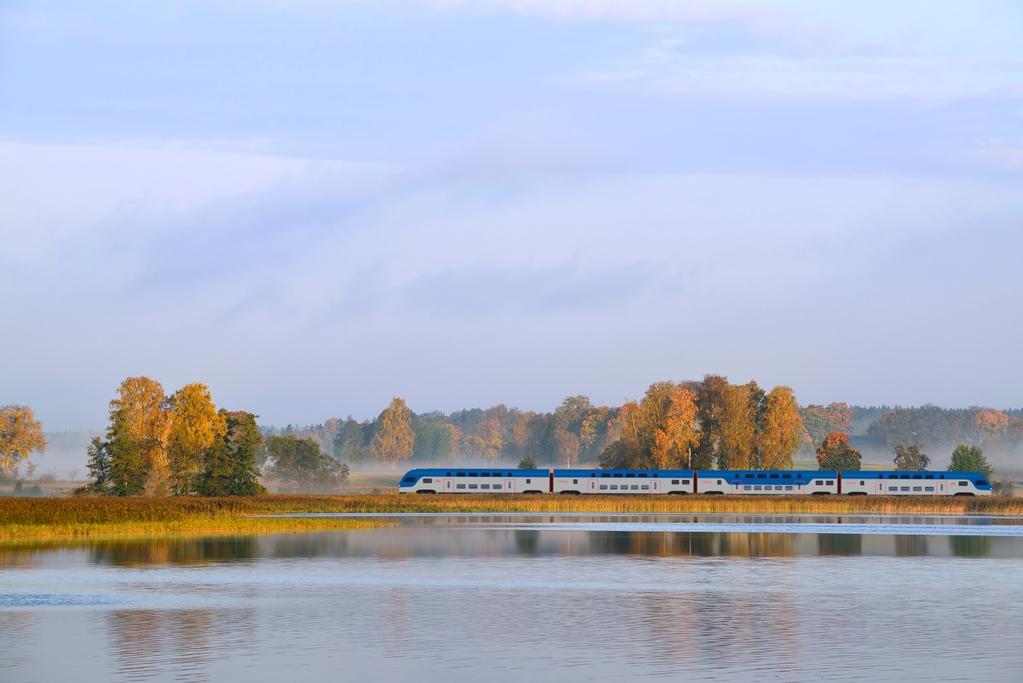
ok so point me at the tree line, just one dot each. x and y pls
(705, 423)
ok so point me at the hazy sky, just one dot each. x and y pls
(313, 206)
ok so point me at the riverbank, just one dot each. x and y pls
(88, 517)
(119, 518)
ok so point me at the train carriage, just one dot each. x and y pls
(712, 482)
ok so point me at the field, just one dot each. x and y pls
(88, 517)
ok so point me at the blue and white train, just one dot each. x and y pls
(711, 482)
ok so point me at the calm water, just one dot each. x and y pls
(529, 597)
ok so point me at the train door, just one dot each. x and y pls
(509, 485)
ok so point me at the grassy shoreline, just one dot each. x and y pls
(95, 518)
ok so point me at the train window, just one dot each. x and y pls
(778, 488)
(719, 482)
(830, 482)
(645, 487)
(472, 474)
(473, 486)
(605, 474)
(614, 487)
(788, 488)
(635, 487)
(786, 476)
(575, 481)
(427, 480)
(928, 488)
(905, 488)
(758, 488)
(408, 480)
(484, 486)
(748, 475)
(459, 486)
(675, 482)
(460, 474)
(962, 483)
(746, 487)
(903, 476)
(928, 476)
(917, 476)
(497, 486)
(630, 475)
(603, 487)
(641, 475)
(774, 476)
(593, 474)
(918, 488)
(761, 476)
(981, 482)
(685, 482)
(449, 474)
(618, 475)
(529, 481)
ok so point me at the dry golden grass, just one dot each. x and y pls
(94, 517)
(666, 504)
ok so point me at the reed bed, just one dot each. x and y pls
(91, 517)
(666, 504)
(95, 518)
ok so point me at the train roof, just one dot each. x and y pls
(733, 475)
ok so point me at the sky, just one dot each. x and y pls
(313, 206)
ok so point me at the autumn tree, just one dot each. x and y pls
(676, 431)
(568, 446)
(395, 437)
(627, 450)
(969, 459)
(660, 431)
(710, 395)
(910, 458)
(137, 438)
(821, 420)
(195, 427)
(20, 435)
(835, 453)
(487, 440)
(299, 464)
(737, 421)
(229, 466)
(780, 430)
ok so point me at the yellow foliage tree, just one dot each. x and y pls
(676, 430)
(395, 437)
(737, 420)
(20, 434)
(139, 427)
(781, 431)
(196, 425)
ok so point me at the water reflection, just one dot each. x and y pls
(501, 536)
(449, 600)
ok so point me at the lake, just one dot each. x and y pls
(502, 597)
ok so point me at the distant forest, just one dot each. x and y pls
(577, 431)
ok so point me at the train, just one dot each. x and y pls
(707, 482)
